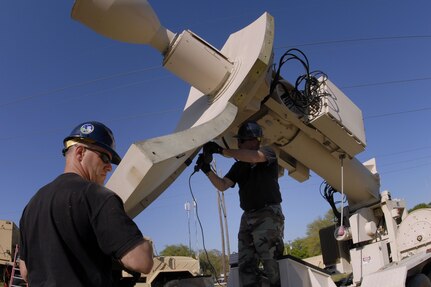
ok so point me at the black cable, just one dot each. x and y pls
(328, 195)
(305, 97)
(213, 271)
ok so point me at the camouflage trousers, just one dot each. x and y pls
(260, 240)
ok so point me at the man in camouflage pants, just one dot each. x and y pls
(260, 238)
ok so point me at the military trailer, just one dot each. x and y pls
(9, 238)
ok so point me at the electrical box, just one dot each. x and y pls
(362, 225)
(368, 259)
(9, 237)
(339, 119)
(335, 253)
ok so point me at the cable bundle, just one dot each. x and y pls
(305, 97)
(328, 195)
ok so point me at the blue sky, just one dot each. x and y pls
(56, 73)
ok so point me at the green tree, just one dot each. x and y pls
(310, 244)
(177, 250)
(420, 205)
(312, 240)
(297, 248)
(212, 264)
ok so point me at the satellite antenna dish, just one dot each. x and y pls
(227, 87)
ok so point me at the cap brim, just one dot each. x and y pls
(244, 138)
(116, 159)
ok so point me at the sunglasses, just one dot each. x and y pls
(102, 155)
(246, 140)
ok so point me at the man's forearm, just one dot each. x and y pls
(218, 182)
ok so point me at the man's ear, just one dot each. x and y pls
(78, 152)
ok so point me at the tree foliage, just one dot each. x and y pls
(213, 263)
(177, 250)
(297, 248)
(210, 265)
(310, 244)
(419, 206)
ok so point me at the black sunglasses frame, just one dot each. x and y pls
(245, 140)
(102, 155)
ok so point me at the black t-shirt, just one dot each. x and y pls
(258, 183)
(70, 231)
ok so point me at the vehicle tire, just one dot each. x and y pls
(418, 280)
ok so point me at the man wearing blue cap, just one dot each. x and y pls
(73, 228)
(260, 237)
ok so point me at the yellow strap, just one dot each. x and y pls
(73, 142)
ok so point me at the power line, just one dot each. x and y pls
(50, 92)
(407, 168)
(53, 131)
(397, 113)
(53, 91)
(155, 113)
(405, 161)
(386, 83)
(119, 87)
(332, 42)
(404, 151)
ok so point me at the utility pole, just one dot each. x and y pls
(187, 208)
(225, 223)
(220, 206)
(223, 261)
(196, 230)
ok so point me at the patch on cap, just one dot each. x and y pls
(87, 129)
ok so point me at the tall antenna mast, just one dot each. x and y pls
(187, 208)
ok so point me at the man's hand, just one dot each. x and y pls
(203, 163)
(212, 147)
